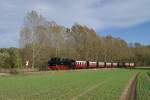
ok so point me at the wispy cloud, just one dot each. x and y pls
(99, 14)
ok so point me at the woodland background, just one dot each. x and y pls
(41, 39)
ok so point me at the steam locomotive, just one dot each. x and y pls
(57, 63)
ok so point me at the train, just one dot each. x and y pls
(57, 63)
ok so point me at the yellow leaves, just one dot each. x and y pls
(42, 29)
(77, 28)
(55, 28)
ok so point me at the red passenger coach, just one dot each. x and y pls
(92, 64)
(108, 64)
(127, 64)
(114, 65)
(81, 64)
(132, 65)
(101, 64)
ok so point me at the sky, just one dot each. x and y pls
(127, 19)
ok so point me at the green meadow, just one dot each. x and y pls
(100, 84)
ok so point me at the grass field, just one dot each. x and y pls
(143, 87)
(101, 84)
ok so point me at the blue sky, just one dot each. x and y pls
(127, 19)
(137, 33)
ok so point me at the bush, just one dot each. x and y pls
(4, 57)
(10, 58)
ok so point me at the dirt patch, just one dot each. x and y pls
(130, 91)
(4, 74)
